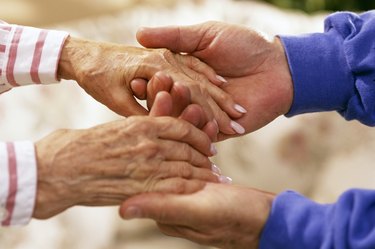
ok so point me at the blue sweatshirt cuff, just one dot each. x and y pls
(294, 222)
(320, 72)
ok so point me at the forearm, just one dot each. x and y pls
(296, 222)
(28, 55)
(18, 182)
(334, 71)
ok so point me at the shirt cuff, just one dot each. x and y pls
(29, 55)
(321, 76)
(18, 182)
(294, 222)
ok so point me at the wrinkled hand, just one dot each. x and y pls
(180, 99)
(106, 164)
(105, 71)
(220, 215)
(256, 69)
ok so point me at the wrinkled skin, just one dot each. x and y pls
(105, 70)
(109, 163)
(256, 69)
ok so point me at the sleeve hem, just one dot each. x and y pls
(322, 79)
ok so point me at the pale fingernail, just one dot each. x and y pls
(225, 179)
(215, 122)
(213, 149)
(240, 108)
(215, 169)
(132, 212)
(221, 78)
(217, 126)
(237, 127)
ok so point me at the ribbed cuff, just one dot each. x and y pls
(321, 76)
(295, 222)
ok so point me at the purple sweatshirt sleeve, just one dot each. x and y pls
(335, 70)
(296, 222)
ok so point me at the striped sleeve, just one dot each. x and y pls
(17, 182)
(28, 55)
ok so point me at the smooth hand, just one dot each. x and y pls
(256, 69)
(105, 71)
(220, 215)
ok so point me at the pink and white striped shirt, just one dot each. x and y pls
(27, 56)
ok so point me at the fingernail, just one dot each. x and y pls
(132, 212)
(216, 169)
(225, 179)
(213, 149)
(237, 127)
(217, 126)
(215, 122)
(221, 78)
(240, 108)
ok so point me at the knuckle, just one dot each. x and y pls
(180, 187)
(224, 97)
(186, 171)
(167, 54)
(149, 148)
(185, 131)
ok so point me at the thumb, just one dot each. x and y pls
(164, 208)
(175, 38)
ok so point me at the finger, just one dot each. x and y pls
(179, 130)
(177, 39)
(224, 100)
(202, 68)
(125, 104)
(159, 82)
(180, 97)
(162, 105)
(139, 88)
(194, 114)
(176, 151)
(178, 169)
(212, 130)
(164, 208)
(223, 120)
(222, 136)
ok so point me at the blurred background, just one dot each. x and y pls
(319, 155)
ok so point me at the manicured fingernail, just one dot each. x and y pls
(217, 126)
(215, 122)
(213, 149)
(216, 169)
(132, 212)
(221, 78)
(237, 127)
(225, 179)
(240, 108)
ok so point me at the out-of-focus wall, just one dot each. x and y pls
(46, 12)
(319, 155)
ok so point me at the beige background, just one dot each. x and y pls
(320, 155)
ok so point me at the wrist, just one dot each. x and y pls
(284, 77)
(74, 53)
(266, 207)
(53, 194)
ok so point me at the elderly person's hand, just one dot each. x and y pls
(105, 71)
(220, 215)
(109, 163)
(256, 69)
